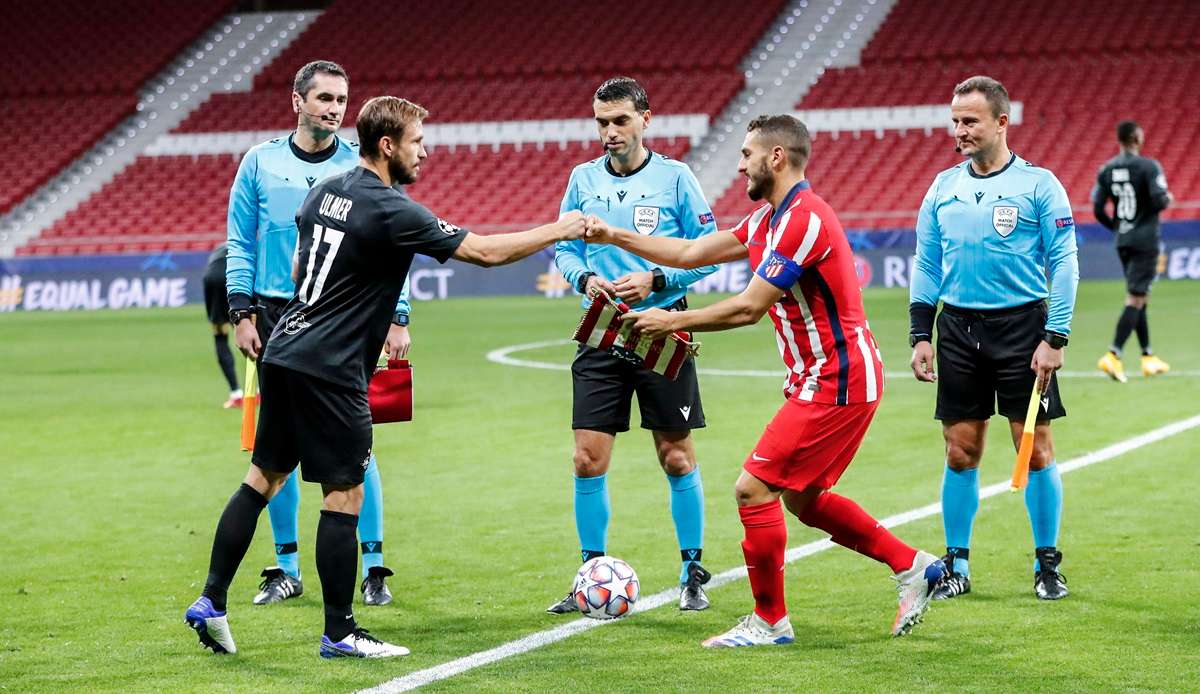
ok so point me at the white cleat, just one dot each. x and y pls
(753, 630)
(211, 625)
(915, 587)
(360, 644)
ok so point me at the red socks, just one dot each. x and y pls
(852, 527)
(766, 540)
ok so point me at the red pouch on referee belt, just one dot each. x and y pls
(601, 327)
(390, 393)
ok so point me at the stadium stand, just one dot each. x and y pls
(178, 202)
(88, 82)
(1062, 67)
(1069, 62)
(141, 212)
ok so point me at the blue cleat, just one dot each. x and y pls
(211, 626)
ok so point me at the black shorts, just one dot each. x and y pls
(1141, 268)
(268, 312)
(216, 304)
(603, 387)
(983, 360)
(320, 426)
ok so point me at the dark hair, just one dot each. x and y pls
(785, 131)
(1126, 130)
(384, 115)
(305, 75)
(993, 91)
(620, 88)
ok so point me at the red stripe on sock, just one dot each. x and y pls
(766, 540)
(853, 528)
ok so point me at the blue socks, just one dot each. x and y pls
(370, 519)
(284, 511)
(687, 510)
(960, 501)
(592, 511)
(1043, 499)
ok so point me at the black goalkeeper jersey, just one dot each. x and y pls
(1138, 189)
(357, 238)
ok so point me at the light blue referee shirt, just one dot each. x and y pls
(991, 242)
(271, 184)
(661, 198)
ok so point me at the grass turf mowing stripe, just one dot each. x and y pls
(542, 638)
(503, 355)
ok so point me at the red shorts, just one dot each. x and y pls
(809, 444)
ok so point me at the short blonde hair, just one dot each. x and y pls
(385, 116)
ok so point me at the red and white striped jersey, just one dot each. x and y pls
(820, 324)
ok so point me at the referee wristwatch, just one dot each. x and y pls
(914, 338)
(581, 283)
(237, 315)
(1055, 340)
(400, 318)
(659, 282)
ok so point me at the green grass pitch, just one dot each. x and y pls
(117, 460)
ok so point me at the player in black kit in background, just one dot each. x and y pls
(217, 309)
(357, 238)
(1137, 187)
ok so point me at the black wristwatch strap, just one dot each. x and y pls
(237, 315)
(581, 283)
(660, 280)
(1055, 340)
(400, 319)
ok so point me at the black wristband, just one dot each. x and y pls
(581, 283)
(237, 315)
(920, 319)
(1055, 340)
(240, 301)
(400, 319)
(660, 280)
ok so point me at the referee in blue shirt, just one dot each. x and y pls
(272, 182)
(995, 245)
(632, 187)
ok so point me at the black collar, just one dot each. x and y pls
(313, 157)
(971, 169)
(608, 165)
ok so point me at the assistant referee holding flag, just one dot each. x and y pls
(990, 233)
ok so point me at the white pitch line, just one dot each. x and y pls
(543, 638)
(502, 355)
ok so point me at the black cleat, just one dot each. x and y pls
(691, 594)
(952, 584)
(374, 589)
(277, 585)
(1049, 584)
(564, 606)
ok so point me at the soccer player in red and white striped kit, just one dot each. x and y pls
(805, 278)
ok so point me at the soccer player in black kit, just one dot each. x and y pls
(358, 235)
(1137, 187)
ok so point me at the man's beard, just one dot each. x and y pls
(760, 185)
(400, 173)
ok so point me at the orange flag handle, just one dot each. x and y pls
(1020, 475)
(250, 405)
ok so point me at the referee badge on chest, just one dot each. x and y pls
(1004, 219)
(645, 219)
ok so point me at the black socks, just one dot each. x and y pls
(235, 530)
(337, 565)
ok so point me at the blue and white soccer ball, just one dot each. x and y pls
(606, 588)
